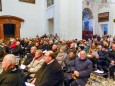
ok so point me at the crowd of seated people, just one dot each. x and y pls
(73, 59)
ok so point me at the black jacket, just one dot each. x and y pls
(29, 59)
(103, 55)
(11, 78)
(50, 75)
(111, 56)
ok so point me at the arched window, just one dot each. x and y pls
(87, 23)
(87, 14)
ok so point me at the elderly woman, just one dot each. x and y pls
(62, 54)
(37, 62)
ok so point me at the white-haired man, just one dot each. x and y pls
(81, 68)
(10, 75)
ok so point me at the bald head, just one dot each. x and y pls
(9, 61)
(83, 54)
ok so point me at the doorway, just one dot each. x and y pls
(104, 28)
(9, 31)
(51, 26)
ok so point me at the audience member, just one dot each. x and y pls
(11, 75)
(80, 68)
(50, 73)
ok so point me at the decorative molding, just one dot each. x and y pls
(103, 5)
(7, 19)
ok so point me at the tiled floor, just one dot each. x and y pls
(96, 80)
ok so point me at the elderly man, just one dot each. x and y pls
(30, 57)
(50, 73)
(80, 68)
(10, 75)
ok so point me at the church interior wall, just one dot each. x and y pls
(67, 17)
(101, 8)
(33, 14)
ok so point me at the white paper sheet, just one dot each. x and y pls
(99, 71)
(22, 66)
(29, 84)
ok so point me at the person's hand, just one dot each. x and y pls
(33, 82)
(76, 73)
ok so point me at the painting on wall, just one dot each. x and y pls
(103, 17)
(28, 1)
(0, 5)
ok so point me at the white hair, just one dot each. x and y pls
(33, 47)
(11, 58)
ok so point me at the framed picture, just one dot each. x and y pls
(103, 17)
(28, 1)
(0, 5)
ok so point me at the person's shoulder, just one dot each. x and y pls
(56, 65)
(77, 58)
(89, 61)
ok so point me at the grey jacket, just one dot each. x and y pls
(84, 67)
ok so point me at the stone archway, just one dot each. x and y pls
(7, 19)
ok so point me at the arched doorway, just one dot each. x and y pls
(10, 27)
(87, 23)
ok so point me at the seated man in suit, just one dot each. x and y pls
(111, 59)
(10, 75)
(50, 73)
(101, 60)
(80, 69)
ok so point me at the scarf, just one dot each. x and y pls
(36, 58)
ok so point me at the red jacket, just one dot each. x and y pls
(13, 45)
